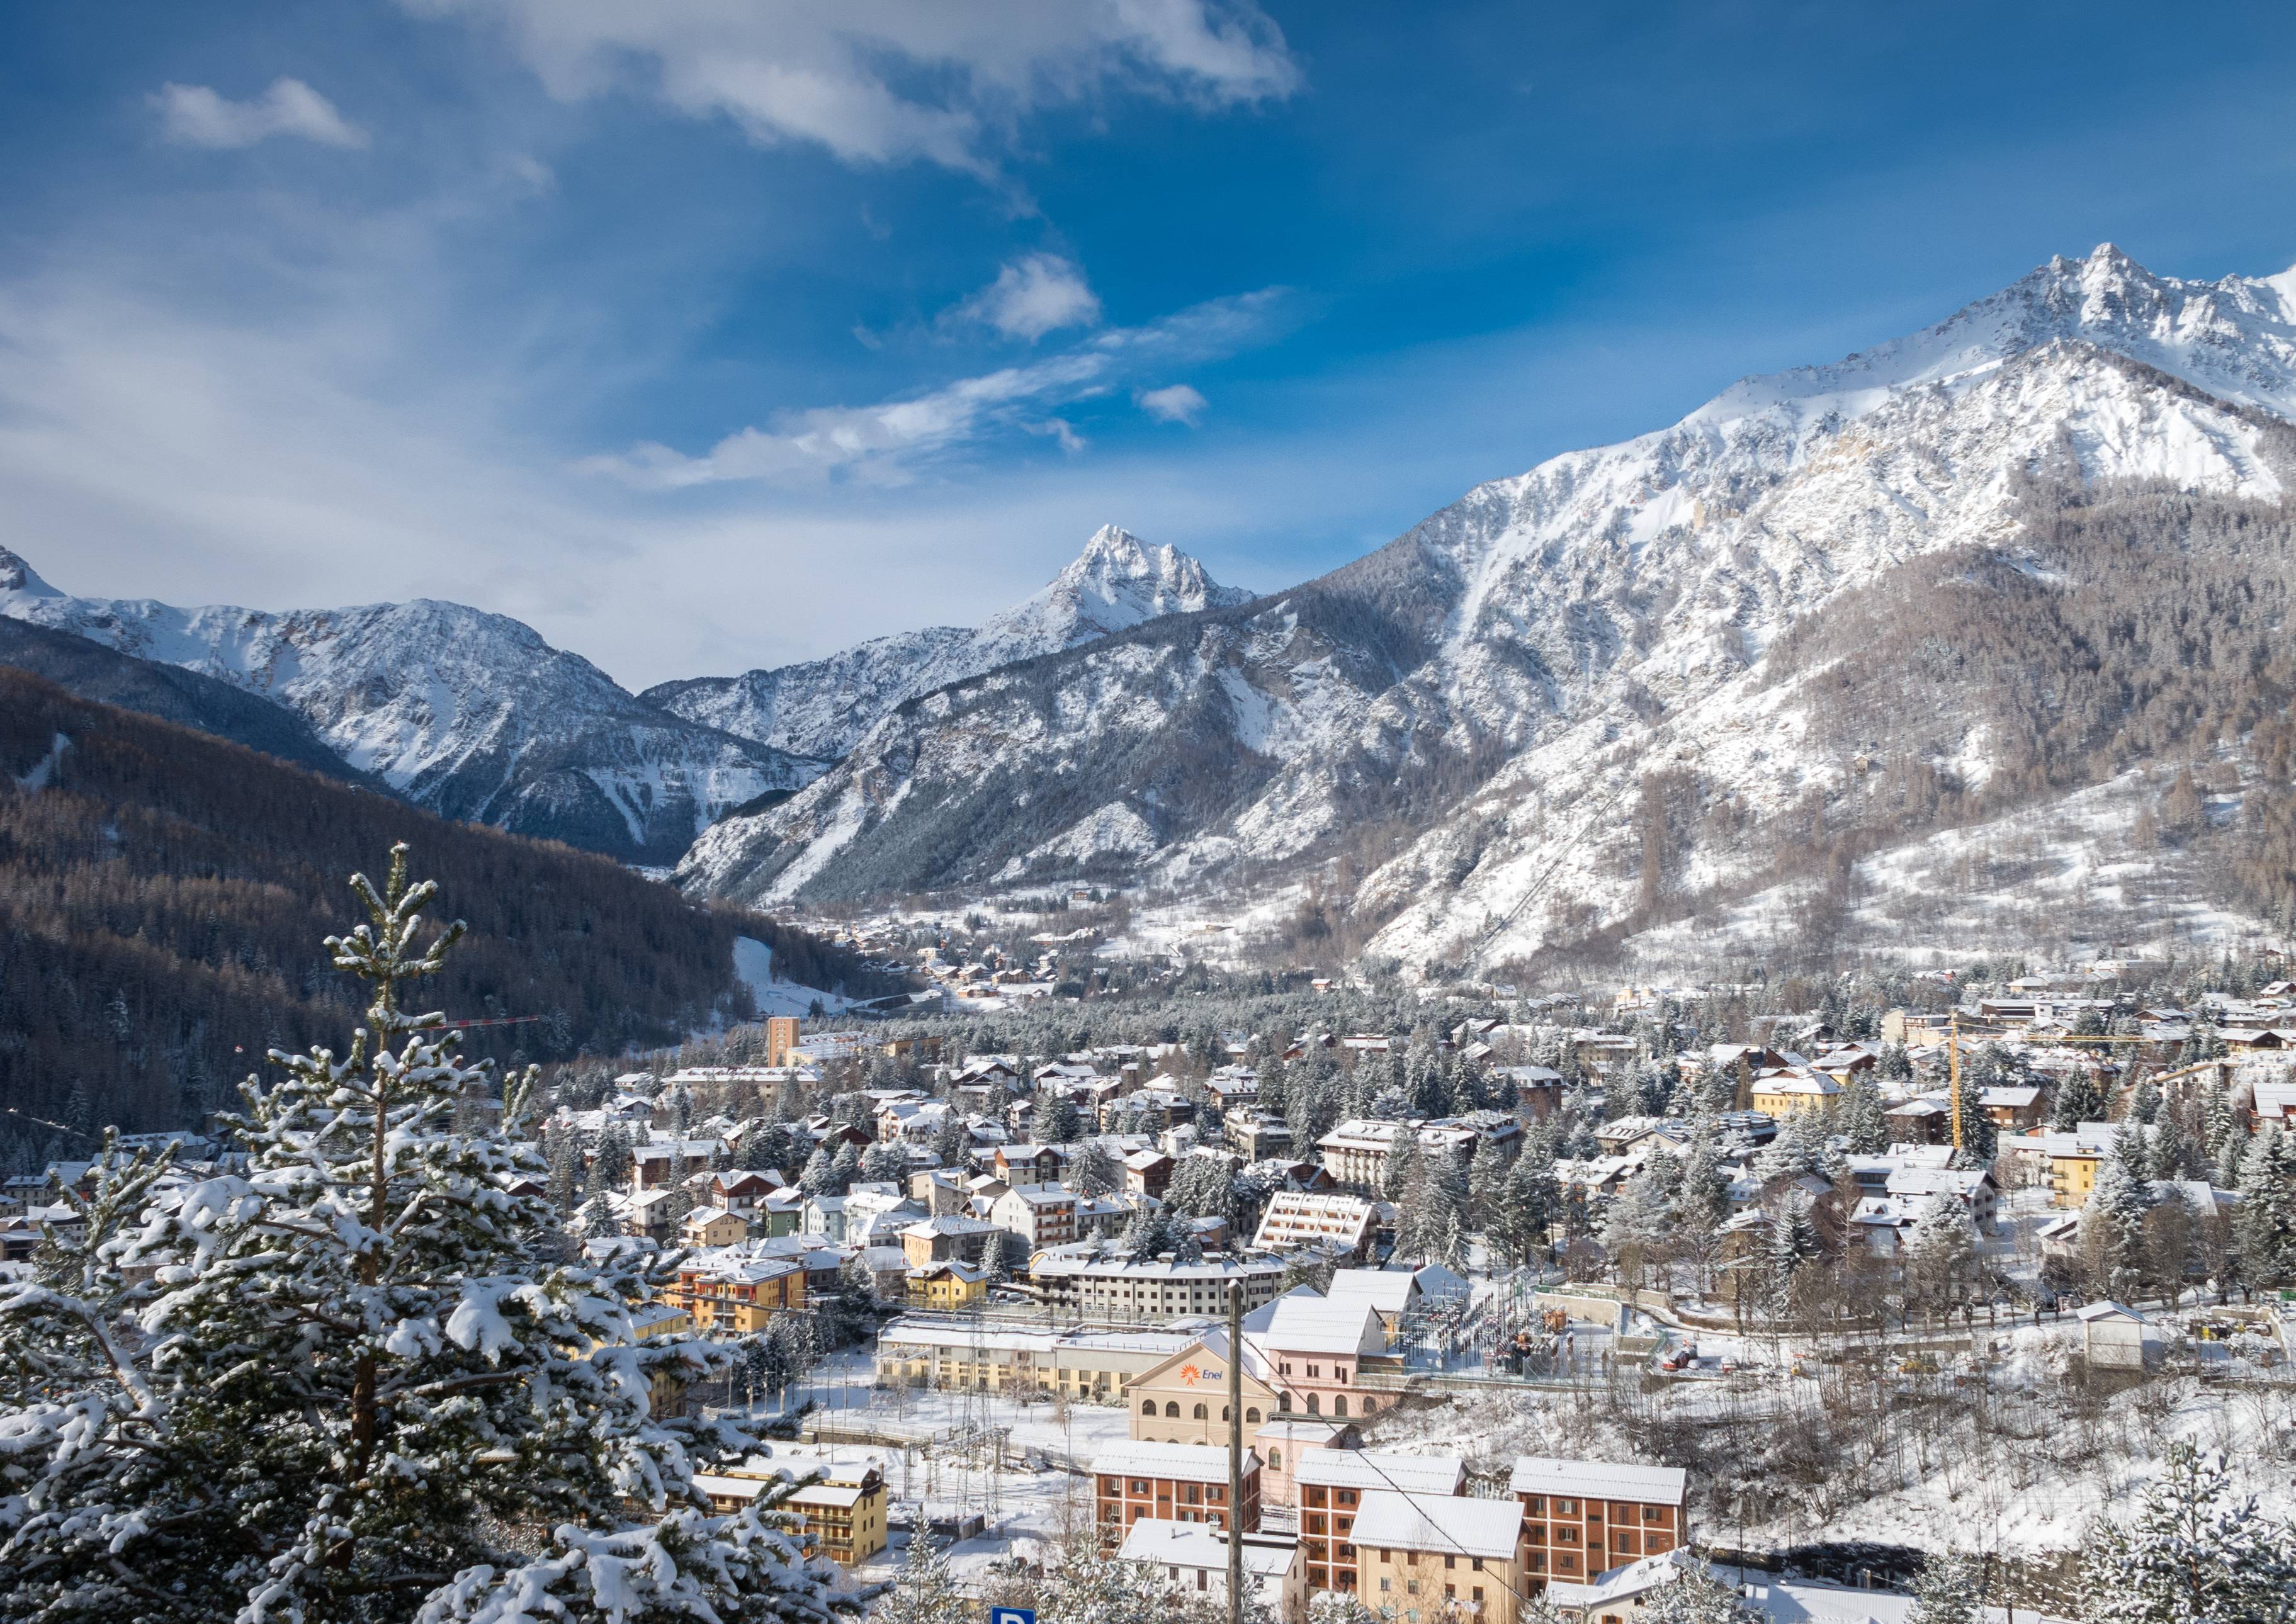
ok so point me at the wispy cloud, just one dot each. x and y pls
(1175, 403)
(1035, 295)
(194, 114)
(886, 442)
(890, 81)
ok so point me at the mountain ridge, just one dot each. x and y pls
(466, 713)
(1411, 726)
(819, 708)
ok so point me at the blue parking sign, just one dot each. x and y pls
(1011, 1615)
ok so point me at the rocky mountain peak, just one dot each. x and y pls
(19, 577)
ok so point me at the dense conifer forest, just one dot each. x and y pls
(163, 894)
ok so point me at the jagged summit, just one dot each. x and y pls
(2235, 337)
(19, 578)
(820, 707)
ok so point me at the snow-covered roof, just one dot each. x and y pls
(1450, 1523)
(1321, 1325)
(1190, 1463)
(1202, 1545)
(1432, 1474)
(1599, 1479)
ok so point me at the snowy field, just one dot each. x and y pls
(1030, 1486)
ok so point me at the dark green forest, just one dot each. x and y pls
(164, 895)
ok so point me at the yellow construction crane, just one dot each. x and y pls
(1953, 1057)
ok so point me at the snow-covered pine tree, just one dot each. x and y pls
(1980, 1137)
(926, 1591)
(358, 1390)
(2113, 1220)
(1861, 1117)
(1529, 1205)
(2265, 1220)
(1950, 1590)
(1794, 1240)
(2079, 1100)
(1094, 1171)
(2192, 1554)
(1697, 1596)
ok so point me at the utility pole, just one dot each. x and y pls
(1235, 1452)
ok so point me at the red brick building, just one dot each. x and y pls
(1173, 1482)
(1331, 1485)
(1581, 1518)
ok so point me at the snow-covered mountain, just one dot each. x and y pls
(820, 707)
(469, 714)
(1456, 739)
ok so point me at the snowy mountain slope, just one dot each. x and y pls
(471, 715)
(820, 707)
(1467, 714)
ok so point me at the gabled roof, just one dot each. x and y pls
(1449, 1523)
(1428, 1474)
(1599, 1479)
(1320, 1325)
(1194, 1463)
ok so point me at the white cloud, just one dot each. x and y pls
(1035, 295)
(194, 115)
(884, 443)
(889, 81)
(1176, 403)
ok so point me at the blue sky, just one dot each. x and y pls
(703, 334)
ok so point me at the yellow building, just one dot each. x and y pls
(1184, 1400)
(1437, 1559)
(740, 1296)
(844, 1512)
(948, 1285)
(1781, 1094)
(2075, 1157)
(1079, 1364)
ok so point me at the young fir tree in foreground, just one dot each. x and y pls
(2194, 1554)
(357, 1385)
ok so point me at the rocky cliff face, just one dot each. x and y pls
(1469, 716)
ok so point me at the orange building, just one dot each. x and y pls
(1581, 1518)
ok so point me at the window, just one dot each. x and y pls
(1172, 1410)
(1275, 1460)
(1251, 1415)
(1340, 1404)
(1370, 1405)
(1449, 1561)
(1147, 1406)
(1654, 1513)
(1315, 1371)
(1479, 1595)
(1479, 1568)
(1385, 1583)
(1200, 1414)
(1533, 1505)
(1315, 1405)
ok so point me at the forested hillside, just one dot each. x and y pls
(163, 894)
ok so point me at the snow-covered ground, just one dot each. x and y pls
(753, 962)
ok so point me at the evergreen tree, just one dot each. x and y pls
(2079, 1100)
(1401, 1174)
(1487, 1175)
(2145, 1101)
(1527, 1208)
(610, 1164)
(844, 1166)
(1951, 1590)
(1861, 1117)
(1095, 1171)
(819, 1177)
(1637, 1225)
(1696, 1596)
(2192, 1555)
(1794, 1240)
(2265, 1220)
(2112, 1221)
(926, 1591)
(1981, 1135)
(1054, 1121)
(362, 1389)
